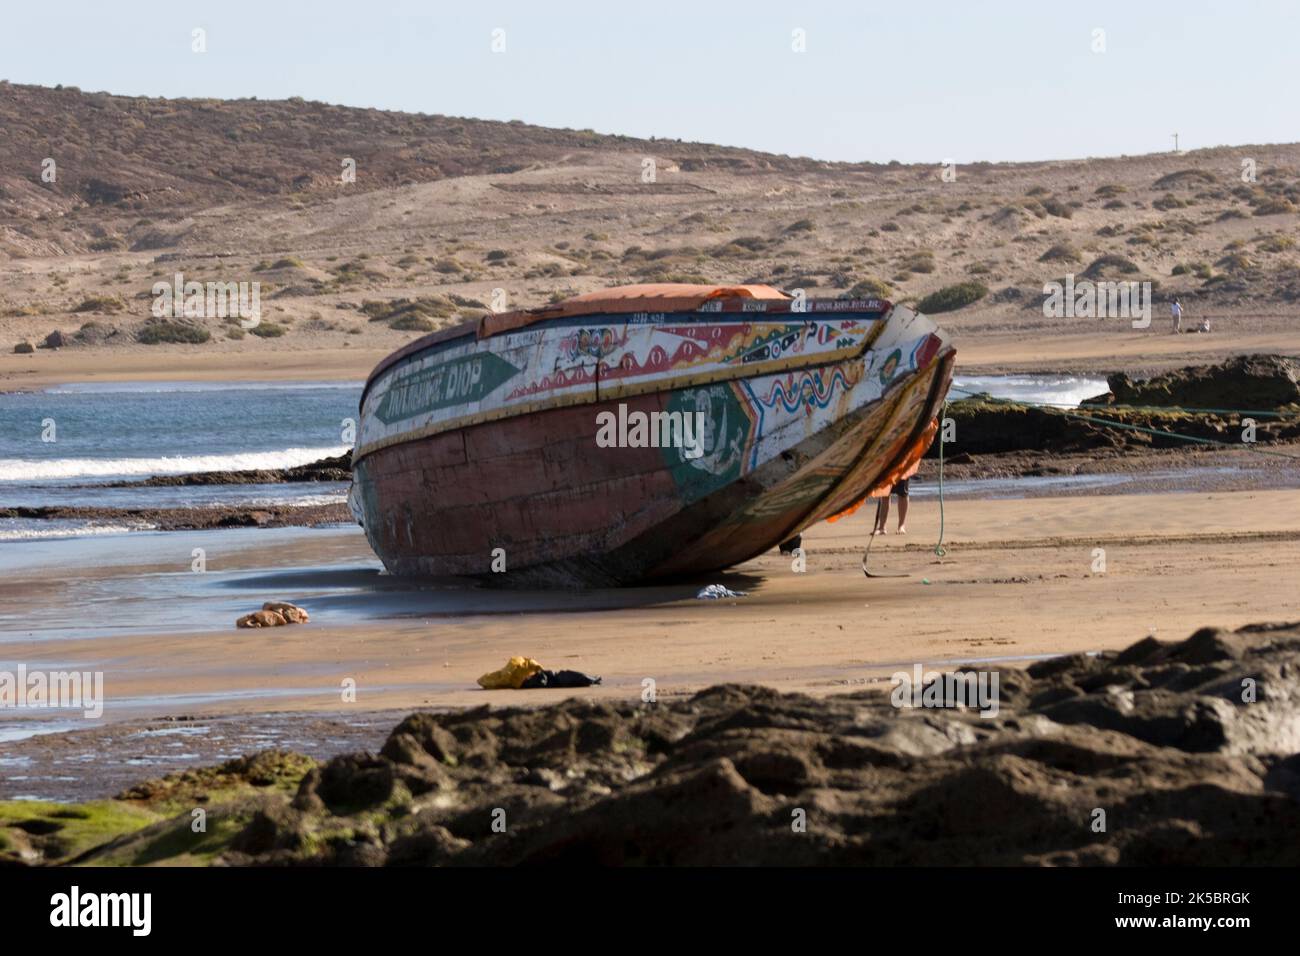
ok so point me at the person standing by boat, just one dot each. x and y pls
(899, 489)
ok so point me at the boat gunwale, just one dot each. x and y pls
(728, 306)
(630, 390)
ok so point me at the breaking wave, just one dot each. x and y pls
(27, 531)
(1065, 391)
(64, 468)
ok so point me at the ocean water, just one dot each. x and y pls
(1062, 391)
(61, 446)
(109, 432)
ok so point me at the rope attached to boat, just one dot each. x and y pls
(939, 549)
(1068, 412)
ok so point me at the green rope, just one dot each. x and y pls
(939, 549)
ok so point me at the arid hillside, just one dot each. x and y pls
(449, 216)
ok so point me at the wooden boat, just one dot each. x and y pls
(485, 449)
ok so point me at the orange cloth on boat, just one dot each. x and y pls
(512, 676)
(907, 466)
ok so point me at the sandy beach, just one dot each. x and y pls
(1017, 583)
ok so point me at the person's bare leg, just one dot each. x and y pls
(882, 516)
(902, 514)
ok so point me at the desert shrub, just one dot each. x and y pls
(1110, 190)
(268, 330)
(1054, 207)
(1235, 262)
(411, 323)
(1110, 263)
(953, 297)
(1185, 177)
(919, 261)
(355, 271)
(1274, 207)
(465, 302)
(889, 227)
(1276, 243)
(108, 244)
(159, 331)
(288, 262)
(870, 288)
(801, 225)
(1198, 269)
(497, 255)
(547, 270)
(391, 310)
(1061, 252)
(101, 303)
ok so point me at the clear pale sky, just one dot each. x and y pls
(913, 80)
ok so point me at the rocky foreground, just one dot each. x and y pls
(1190, 749)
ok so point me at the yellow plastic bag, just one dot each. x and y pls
(512, 676)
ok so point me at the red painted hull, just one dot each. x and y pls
(565, 512)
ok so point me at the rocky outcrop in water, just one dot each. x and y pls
(337, 468)
(992, 427)
(191, 519)
(1253, 382)
(1181, 753)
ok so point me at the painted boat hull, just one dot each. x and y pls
(468, 469)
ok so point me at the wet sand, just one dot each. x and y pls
(1017, 583)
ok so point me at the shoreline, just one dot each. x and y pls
(1018, 581)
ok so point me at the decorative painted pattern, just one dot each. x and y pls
(765, 381)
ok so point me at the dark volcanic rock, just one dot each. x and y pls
(338, 468)
(1191, 749)
(1245, 381)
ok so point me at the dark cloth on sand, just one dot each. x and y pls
(559, 679)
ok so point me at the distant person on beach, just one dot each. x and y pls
(1177, 311)
(882, 509)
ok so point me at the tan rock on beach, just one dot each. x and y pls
(274, 614)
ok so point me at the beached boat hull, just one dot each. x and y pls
(481, 452)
